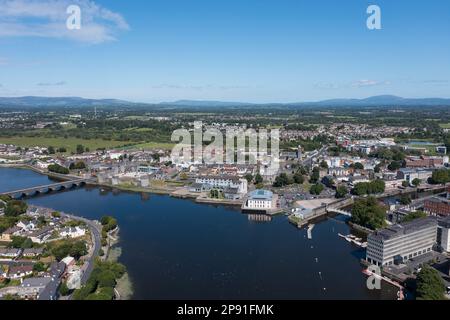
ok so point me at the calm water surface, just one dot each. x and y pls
(177, 249)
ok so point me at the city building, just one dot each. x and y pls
(409, 175)
(402, 242)
(260, 200)
(223, 182)
(437, 206)
(441, 149)
(443, 236)
(424, 162)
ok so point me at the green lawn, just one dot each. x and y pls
(153, 145)
(445, 125)
(70, 143)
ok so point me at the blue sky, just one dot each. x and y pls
(234, 50)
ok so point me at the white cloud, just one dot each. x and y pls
(47, 18)
(369, 83)
(51, 84)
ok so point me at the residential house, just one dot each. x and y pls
(20, 271)
(72, 232)
(7, 235)
(10, 253)
(27, 225)
(32, 252)
(42, 235)
(32, 287)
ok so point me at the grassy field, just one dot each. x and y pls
(70, 143)
(153, 145)
(445, 125)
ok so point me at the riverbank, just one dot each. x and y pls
(124, 286)
(169, 244)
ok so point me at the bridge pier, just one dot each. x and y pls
(34, 191)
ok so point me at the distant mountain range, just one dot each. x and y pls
(59, 102)
(383, 100)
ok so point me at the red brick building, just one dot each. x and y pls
(424, 162)
(437, 206)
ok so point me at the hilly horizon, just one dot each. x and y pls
(380, 100)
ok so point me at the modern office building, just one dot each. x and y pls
(409, 175)
(402, 242)
(443, 235)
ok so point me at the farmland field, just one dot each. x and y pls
(70, 143)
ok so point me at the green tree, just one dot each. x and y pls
(64, 290)
(440, 176)
(80, 165)
(58, 169)
(430, 285)
(258, 179)
(416, 182)
(298, 178)
(15, 208)
(106, 278)
(316, 189)
(51, 150)
(323, 164)
(39, 267)
(80, 149)
(56, 214)
(405, 199)
(394, 166)
(249, 177)
(358, 166)
(315, 176)
(368, 213)
(341, 192)
(414, 215)
(282, 180)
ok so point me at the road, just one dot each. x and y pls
(315, 154)
(95, 230)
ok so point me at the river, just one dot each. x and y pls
(177, 249)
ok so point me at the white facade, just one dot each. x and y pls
(260, 200)
(444, 234)
(223, 182)
(401, 242)
(72, 232)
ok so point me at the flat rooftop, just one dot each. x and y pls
(399, 230)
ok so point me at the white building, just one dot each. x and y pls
(260, 200)
(444, 234)
(74, 279)
(223, 182)
(71, 232)
(402, 242)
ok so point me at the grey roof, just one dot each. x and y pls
(9, 251)
(51, 289)
(404, 229)
(261, 195)
(444, 222)
(231, 190)
(36, 282)
(33, 251)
